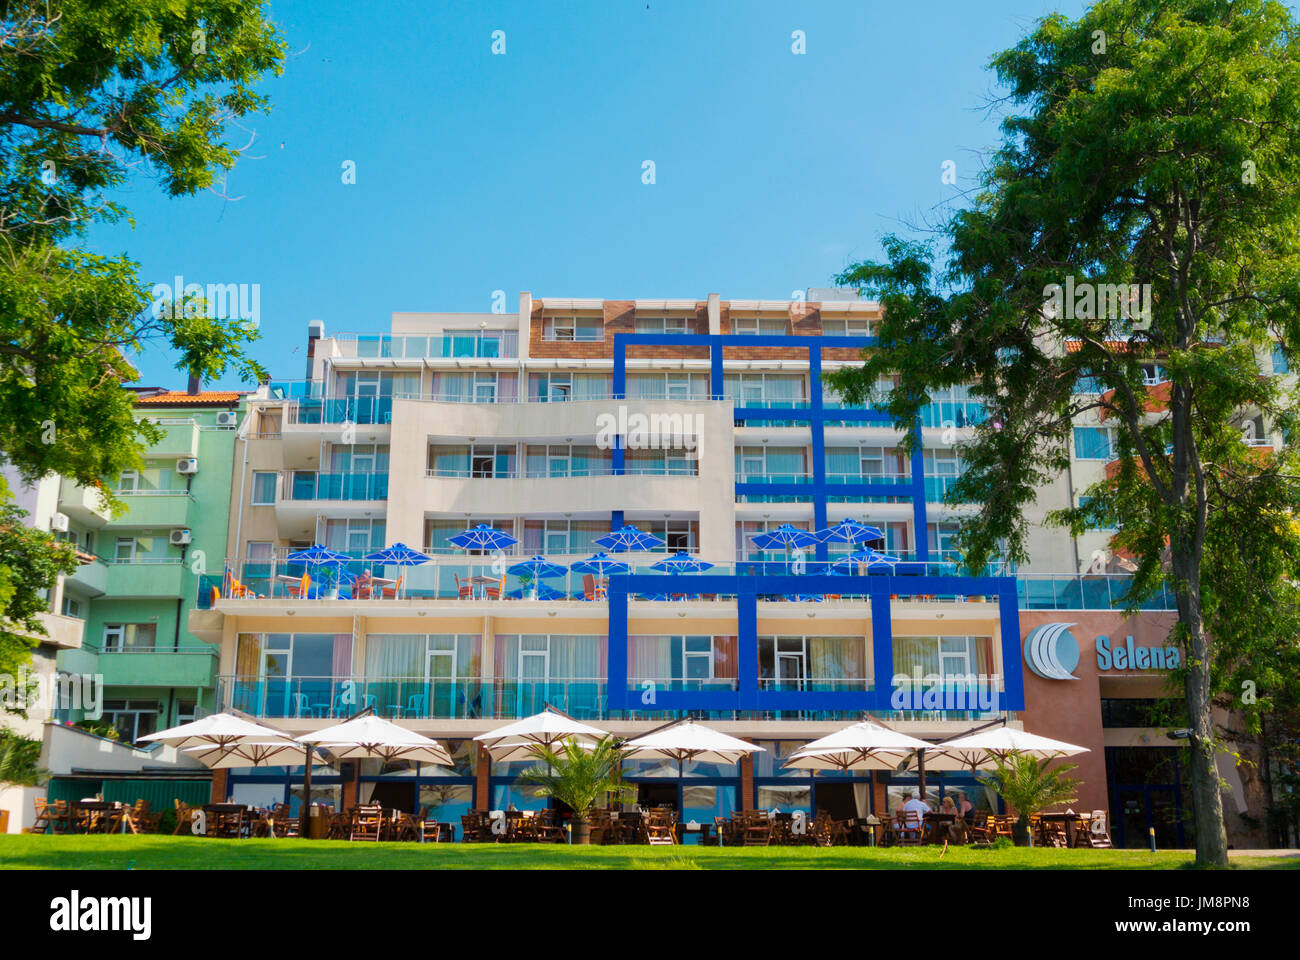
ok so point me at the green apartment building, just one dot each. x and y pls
(142, 569)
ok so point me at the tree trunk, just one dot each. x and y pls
(1207, 799)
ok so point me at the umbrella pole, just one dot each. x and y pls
(304, 812)
(920, 772)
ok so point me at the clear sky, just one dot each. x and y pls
(478, 172)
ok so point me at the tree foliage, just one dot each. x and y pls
(95, 94)
(1149, 142)
(578, 776)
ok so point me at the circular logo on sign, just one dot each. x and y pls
(1052, 652)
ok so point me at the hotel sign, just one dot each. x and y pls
(1126, 656)
(1052, 652)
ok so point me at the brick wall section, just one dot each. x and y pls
(483, 782)
(746, 800)
(803, 319)
(220, 779)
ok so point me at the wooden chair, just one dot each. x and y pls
(283, 825)
(390, 593)
(339, 826)
(464, 589)
(473, 828)
(496, 592)
(184, 817)
(1094, 833)
(43, 821)
(660, 827)
(588, 586)
(546, 829)
(1052, 833)
(757, 828)
(367, 822)
(908, 832)
(139, 819)
(299, 590)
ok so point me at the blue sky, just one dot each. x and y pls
(478, 172)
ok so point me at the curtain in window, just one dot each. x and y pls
(505, 656)
(783, 389)
(786, 461)
(507, 387)
(593, 386)
(649, 658)
(395, 655)
(836, 658)
(453, 387)
(576, 658)
(725, 658)
(248, 655)
(342, 660)
(843, 464)
(916, 654)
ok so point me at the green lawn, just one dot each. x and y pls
(188, 853)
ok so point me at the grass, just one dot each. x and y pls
(19, 851)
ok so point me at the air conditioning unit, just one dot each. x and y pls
(227, 418)
(59, 522)
(181, 538)
(188, 465)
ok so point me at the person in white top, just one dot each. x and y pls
(914, 805)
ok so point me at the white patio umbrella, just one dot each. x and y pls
(218, 730)
(984, 749)
(687, 740)
(528, 750)
(521, 738)
(862, 746)
(370, 737)
(248, 753)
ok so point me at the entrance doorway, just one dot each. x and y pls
(837, 799)
(1138, 809)
(395, 796)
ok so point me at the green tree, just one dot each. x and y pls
(94, 93)
(1148, 142)
(580, 775)
(1029, 786)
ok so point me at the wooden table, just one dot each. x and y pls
(1074, 823)
(93, 816)
(705, 833)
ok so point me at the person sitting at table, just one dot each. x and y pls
(361, 589)
(965, 808)
(913, 805)
(956, 829)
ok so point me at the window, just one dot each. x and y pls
(129, 637)
(261, 549)
(124, 549)
(1280, 363)
(573, 328)
(665, 324)
(846, 327)
(1083, 502)
(133, 719)
(760, 326)
(129, 481)
(263, 488)
(1094, 443)
(268, 425)
(71, 607)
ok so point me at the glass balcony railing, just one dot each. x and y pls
(487, 343)
(303, 485)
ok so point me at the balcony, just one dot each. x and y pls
(82, 504)
(159, 668)
(306, 485)
(180, 438)
(145, 578)
(154, 508)
(487, 343)
(66, 633)
(90, 577)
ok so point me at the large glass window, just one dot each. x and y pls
(573, 327)
(129, 637)
(1094, 443)
(263, 488)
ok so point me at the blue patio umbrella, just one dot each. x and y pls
(850, 531)
(317, 555)
(543, 592)
(483, 537)
(784, 536)
(681, 562)
(866, 557)
(537, 567)
(629, 538)
(602, 565)
(399, 555)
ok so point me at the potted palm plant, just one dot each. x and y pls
(579, 775)
(1026, 785)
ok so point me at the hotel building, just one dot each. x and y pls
(701, 422)
(704, 423)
